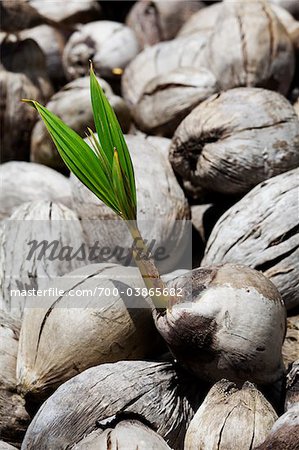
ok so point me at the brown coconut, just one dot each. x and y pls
(110, 46)
(26, 182)
(156, 392)
(51, 41)
(252, 232)
(260, 50)
(68, 13)
(155, 21)
(68, 333)
(226, 322)
(125, 435)
(230, 418)
(170, 97)
(23, 75)
(161, 59)
(73, 105)
(13, 416)
(35, 244)
(162, 209)
(236, 139)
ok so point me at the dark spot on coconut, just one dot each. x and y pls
(260, 349)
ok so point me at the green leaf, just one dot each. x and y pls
(110, 134)
(79, 157)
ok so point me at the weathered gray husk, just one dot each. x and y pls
(68, 13)
(161, 59)
(72, 104)
(236, 139)
(68, 334)
(52, 42)
(261, 52)
(156, 392)
(291, 6)
(162, 208)
(230, 418)
(284, 433)
(126, 434)
(203, 21)
(23, 75)
(296, 105)
(155, 21)
(6, 446)
(290, 348)
(227, 322)
(292, 384)
(110, 45)
(24, 268)
(25, 182)
(13, 416)
(252, 232)
(170, 97)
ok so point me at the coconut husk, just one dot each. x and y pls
(155, 21)
(72, 104)
(290, 5)
(32, 243)
(23, 75)
(6, 446)
(68, 13)
(290, 346)
(230, 417)
(236, 139)
(110, 45)
(261, 51)
(126, 434)
(292, 384)
(153, 391)
(52, 42)
(168, 98)
(162, 209)
(203, 21)
(252, 232)
(296, 107)
(13, 416)
(26, 182)
(284, 433)
(67, 335)
(226, 322)
(160, 59)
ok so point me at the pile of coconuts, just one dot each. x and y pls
(206, 95)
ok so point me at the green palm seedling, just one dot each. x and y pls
(105, 167)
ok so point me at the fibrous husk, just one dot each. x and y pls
(52, 42)
(227, 322)
(236, 139)
(155, 21)
(252, 232)
(162, 209)
(26, 182)
(126, 434)
(110, 46)
(22, 75)
(170, 97)
(261, 52)
(13, 416)
(156, 392)
(67, 334)
(161, 59)
(6, 446)
(292, 384)
(72, 104)
(284, 433)
(68, 13)
(290, 348)
(35, 245)
(230, 418)
(291, 6)
(203, 21)
(296, 107)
